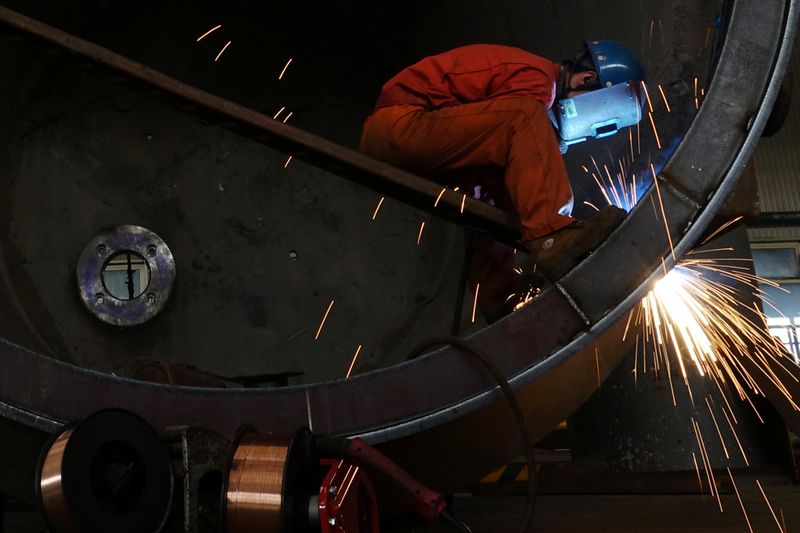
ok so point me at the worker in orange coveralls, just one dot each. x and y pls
(482, 110)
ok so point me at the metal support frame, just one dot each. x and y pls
(547, 349)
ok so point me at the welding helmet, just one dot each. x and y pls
(614, 62)
(615, 104)
(598, 113)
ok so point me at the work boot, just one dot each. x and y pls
(557, 253)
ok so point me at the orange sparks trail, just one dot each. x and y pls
(638, 139)
(324, 318)
(441, 193)
(421, 228)
(697, 469)
(597, 364)
(276, 115)
(664, 97)
(353, 362)
(475, 302)
(378, 208)
(719, 433)
(770, 506)
(721, 229)
(663, 213)
(463, 202)
(280, 77)
(287, 117)
(647, 96)
(655, 131)
(696, 100)
(590, 204)
(741, 504)
(222, 51)
(288, 161)
(209, 32)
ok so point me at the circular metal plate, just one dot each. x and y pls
(149, 283)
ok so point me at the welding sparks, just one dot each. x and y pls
(475, 302)
(289, 160)
(222, 51)
(441, 193)
(378, 208)
(280, 77)
(696, 99)
(209, 32)
(663, 213)
(597, 364)
(701, 322)
(353, 362)
(770, 506)
(664, 97)
(324, 318)
(463, 202)
(741, 504)
(655, 131)
(647, 96)
(421, 229)
(285, 120)
(276, 115)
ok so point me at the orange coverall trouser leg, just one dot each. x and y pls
(513, 134)
(509, 141)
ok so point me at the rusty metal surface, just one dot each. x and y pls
(547, 349)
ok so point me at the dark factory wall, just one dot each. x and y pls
(263, 248)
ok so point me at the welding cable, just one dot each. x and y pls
(527, 444)
(451, 518)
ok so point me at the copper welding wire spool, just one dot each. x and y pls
(50, 490)
(270, 483)
(108, 472)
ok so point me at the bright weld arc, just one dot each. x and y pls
(324, 318)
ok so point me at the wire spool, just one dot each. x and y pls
(109, 472)
(271, 480)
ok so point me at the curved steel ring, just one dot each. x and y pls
(546, 349)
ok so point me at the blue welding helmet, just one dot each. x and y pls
(598, 113)
(614, 62)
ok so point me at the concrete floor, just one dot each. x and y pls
(628, 513)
